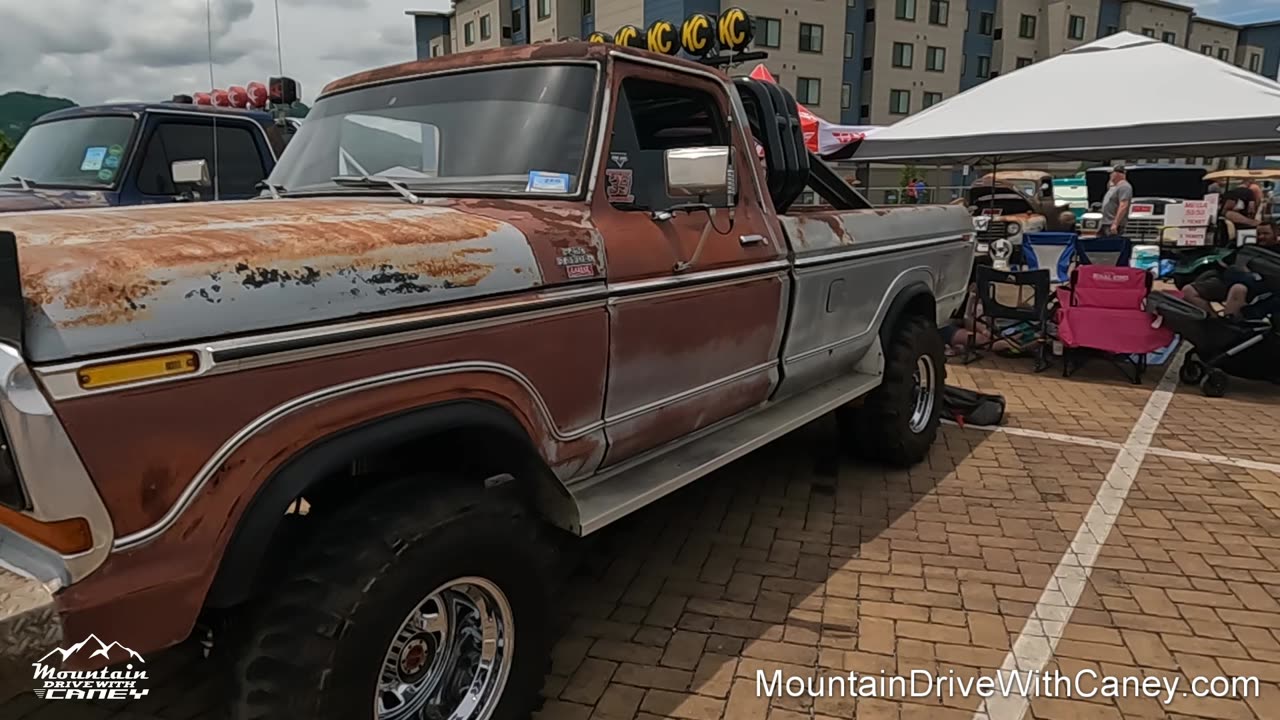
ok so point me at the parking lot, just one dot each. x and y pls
(1132, 531)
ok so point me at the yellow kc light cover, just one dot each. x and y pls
(631, 36)
(735, 31)
(698, 34)
(599, 37)
(662, 38)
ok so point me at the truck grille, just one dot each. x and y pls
(10, 487)
(1145, 229)
(996, 230)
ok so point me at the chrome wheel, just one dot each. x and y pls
(922, 394)
(451, 657)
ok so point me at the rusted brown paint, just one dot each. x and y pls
(552, 227)
(496, 56)
(139, 487)
(114, 252)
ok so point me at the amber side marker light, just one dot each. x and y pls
(131, 371)
(65, 536)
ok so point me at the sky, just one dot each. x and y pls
(107, 50)
(94, 51)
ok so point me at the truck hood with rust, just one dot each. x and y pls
(40, 199)
(108, 280)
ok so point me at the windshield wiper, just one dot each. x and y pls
(26, 183)
(272, 188)
(373, 180)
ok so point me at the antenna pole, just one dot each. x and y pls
(279, 46)
(208, 24)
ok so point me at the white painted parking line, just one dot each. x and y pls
(1040, 635)
(1189, 456)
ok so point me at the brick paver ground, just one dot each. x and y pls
(799, 560)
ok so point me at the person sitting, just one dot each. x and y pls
(1233, 285)
(1239, 205)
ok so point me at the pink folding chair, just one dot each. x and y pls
(1103, 310)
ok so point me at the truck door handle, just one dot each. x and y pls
(751, 239)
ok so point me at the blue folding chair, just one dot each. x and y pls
(1047, 250)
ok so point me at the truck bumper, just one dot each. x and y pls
(29, 628)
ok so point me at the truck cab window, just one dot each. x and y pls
(653, 117)
(239, 166)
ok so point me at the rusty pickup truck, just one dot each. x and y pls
(498, 300)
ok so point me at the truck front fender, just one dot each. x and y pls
(247, 554)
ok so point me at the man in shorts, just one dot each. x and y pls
(1234, 286)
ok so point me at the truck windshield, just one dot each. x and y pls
(82, 152)
(506, 130)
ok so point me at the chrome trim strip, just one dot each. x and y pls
(54, 478)
(256, 351)
(838, 255)
(706, 276)
(683, 395)
(241, 436)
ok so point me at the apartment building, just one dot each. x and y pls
(871, 61)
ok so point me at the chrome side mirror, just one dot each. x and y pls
(698, 171)
(191, 173)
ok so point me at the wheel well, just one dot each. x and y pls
(455, 442)
(915, 299)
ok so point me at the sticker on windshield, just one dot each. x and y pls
(105, 175)
(93, 158)
(547, 182)
(111, 161)
(115, 150)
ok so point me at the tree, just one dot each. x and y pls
(6, 147)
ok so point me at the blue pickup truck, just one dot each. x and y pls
(123, 154)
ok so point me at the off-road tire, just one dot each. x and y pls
(879, 430)
(316, 642)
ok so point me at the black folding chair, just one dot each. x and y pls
(1010, 303)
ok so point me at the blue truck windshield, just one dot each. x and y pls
(81, 152)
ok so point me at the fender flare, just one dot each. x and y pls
(911, 299)
(243, 558)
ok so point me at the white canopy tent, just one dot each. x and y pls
(1119, 96)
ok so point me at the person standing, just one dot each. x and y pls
(1115, 204)
(922, 195)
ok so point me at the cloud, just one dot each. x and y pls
(93, 51)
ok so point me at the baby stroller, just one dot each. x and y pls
(1247, 348)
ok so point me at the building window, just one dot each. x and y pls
(986, 23)
(851, 3)
(1075, 27)
(435, 51)
(931, 99)
(469, 33)
(770, 30)
(902, 55)
(486, 27)
(984, 66)
(848, 45)
(938, 11)
(1224, 54)
(1171, 38)
(935, 59)
(810, 38)
(1206, 50)
(1255, 62)
(1022, 62)
(1149, 32)
(846, 96)
(809, 91)
(517, 19)
(544, 9)
(588, 7)
(900, 102)
(905, 9)
(1112, 29)
(1027, 26)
